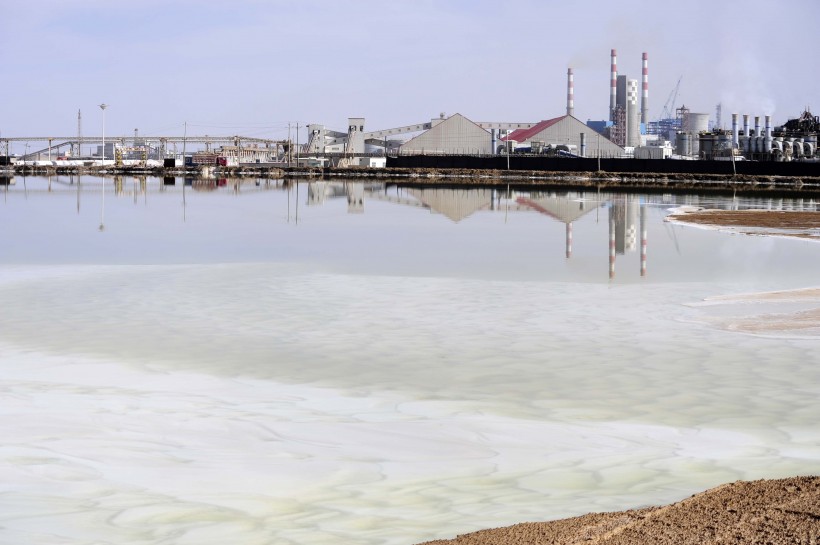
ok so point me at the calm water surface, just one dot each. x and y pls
(253, 362)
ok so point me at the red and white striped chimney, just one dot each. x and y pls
(613, 85)
(645, 95)
(570, 93)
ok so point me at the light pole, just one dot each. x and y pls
(103, 107)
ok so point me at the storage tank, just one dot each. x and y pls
(682, 145)
(697, 123)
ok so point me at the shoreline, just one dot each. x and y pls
(747, 512)
(453, 177)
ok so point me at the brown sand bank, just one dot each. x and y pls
(758, 222)
(773, 512)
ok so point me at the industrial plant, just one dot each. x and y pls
(628, 133)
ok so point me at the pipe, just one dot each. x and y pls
(735, 136)
(493, 137)
(645, 91)
(570, 93)
(613, 83)
(583, 144)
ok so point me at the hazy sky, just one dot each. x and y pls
(249, 67)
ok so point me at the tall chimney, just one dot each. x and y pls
(645, 95)
(767, 143)
(613, 85)
(570, 93)
(735, 136)
(757, 126)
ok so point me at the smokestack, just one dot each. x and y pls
(583, 144)
(645, 95)
(767, 144)
(757, 125)
(570, 93)
(569, 240)
(735, 136)
(612, 85)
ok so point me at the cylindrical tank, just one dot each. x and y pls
(707, 144)
(682, 144)
(724, 144)
(808, 149)
(697, 122)
(798, 147)
(744, 144)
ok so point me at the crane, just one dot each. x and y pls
(669, 106)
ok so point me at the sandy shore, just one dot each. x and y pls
(754, 222)
(783, 511)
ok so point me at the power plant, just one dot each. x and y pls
(678, 133)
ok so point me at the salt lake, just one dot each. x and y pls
(253, 361)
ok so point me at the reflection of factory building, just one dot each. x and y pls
(354, 192)
(565, 209)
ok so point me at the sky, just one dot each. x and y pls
(252, 67)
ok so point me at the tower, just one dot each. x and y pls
(645, 91)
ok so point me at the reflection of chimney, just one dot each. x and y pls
(569, 240)
(611, 242)
(613, 83)
(643, 240)
(645, 92)
(570, 93)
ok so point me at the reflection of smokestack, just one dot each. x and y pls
(645, 92)
(570, 93)
(611, 243)
(612, 85)
(643, 240)
(569, 240)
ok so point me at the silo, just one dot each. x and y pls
(682, 144)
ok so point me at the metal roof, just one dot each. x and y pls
(522, 135)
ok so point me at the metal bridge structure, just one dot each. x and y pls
(162, 144)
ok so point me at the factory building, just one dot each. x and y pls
(565, 133)
(796, 140)
(455, 135)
